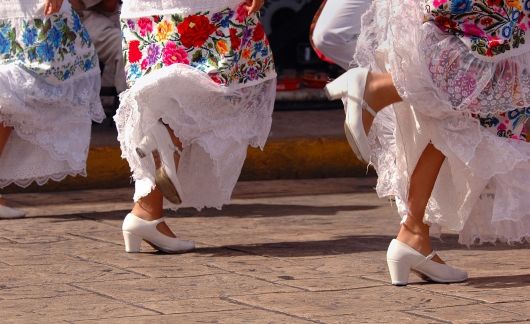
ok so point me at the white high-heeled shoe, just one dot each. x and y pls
(135, 230)
(158, 139)
(402, 259)
(350, 87)
(11, 213)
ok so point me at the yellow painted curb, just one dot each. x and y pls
(281, 159)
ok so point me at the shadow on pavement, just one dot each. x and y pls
(270, 210)
(499, 282)
(235, 211)
(343, 245)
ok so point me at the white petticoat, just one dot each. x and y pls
(216, 124)
(51, 124)
(483, 189)
(51, 119)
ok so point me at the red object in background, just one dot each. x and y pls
(312, 28)
(316, 80)
(288, 81)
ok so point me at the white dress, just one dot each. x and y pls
(49, 92)
(465, 89)
(205, 68)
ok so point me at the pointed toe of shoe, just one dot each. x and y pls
(11, 213)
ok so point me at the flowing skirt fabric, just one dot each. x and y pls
(472, 109)
(49, 93)
(215, 88)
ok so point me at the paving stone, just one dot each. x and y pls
(477, 313)
(281, 252)
(76, 271)
(346, 302)
(254, 316)
(180, 270)
(193, 305)
(144, 290)
(377, 316)
(327, 284)
(520, 308)
(67, 308)
(39, 291)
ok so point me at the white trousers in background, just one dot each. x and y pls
(337, 29)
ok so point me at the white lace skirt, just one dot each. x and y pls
(49, 94)
(217, 105)
(451, 97)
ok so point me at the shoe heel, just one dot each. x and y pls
(399, 272)
(145, 147)
(167, 187)
(337, 88)
(132, 242)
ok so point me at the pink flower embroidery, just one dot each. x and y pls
(172, 54)
(438, 3)
(472, 29)
(146, 26)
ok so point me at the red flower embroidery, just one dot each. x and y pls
(234, 39)
(486, 21)
(135, 54)
(242, 13)
(445, 22)
(172, 54)
(497, 3)
(195, 30)
(215, 78)
(259, 33)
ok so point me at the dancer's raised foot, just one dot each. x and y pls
(364, 93)
(351, 88)
(166, 154)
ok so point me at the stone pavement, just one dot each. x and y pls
(305, 251)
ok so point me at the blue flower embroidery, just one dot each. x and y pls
(55, 37)
(87, 65)
(29, 36)
(85, 37)
(134, 71)
(5, 44)
(45, 52)
(77, 22)
(461, 6)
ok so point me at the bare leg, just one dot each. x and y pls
(414, 232)
(378, 93)
(150, 207)
(4, 136)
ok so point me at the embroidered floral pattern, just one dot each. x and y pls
(491, 26)
(511, 124)
(49, 47)
(230, 46)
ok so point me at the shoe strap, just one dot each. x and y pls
(427, 258)
(176, 148)
(431, 255)
(364, 105)
(369, 109)
(158, 221)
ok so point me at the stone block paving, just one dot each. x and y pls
(304, 251)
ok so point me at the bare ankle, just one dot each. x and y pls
(416, 237)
